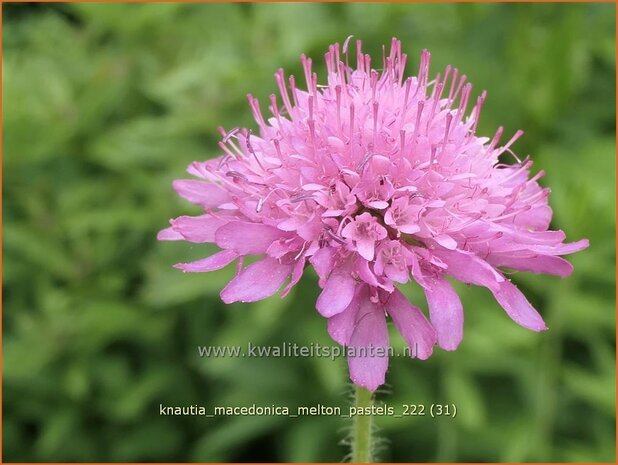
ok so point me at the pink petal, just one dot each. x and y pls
(292, 223)
(445, 312)
(368, 349)
(256, 282)
(537, 217)
(399, 275)
(536, 264)
(518, 308)
(408, 228)
(378, 204)
(341, 326)
(366, 248)
(247, 238)
(365, 273)
(198, 228)
(536, 237)
(469, 268)
(206, 194)
(168, 234)
(297, 273)
(311, 230)
(512, 247)
(446, 241)
(562, 249)
(212, 263)
(322, 262)
(412, 325)
(337, 293)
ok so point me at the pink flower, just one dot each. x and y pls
(373, 179)
(364, 231)
(403, 216)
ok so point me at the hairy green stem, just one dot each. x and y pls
(361, 434)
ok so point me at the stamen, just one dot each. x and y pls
(280, 79)
(344, 75)
(373, 81)
(480, 240)
(278, 148)
(514, 155)
(432, 158)
(328, 59)
(476, 112)
(419, 112)
(432, 113)
(516, 136)
(405, 102)
(436, 83)
(452, 88)
(423, 72)
(449, 119)
(403, 59)
(462, 81)
(226, 149)
(537, 176)
(237, 176)
(525, 208)
(302, 250)
(495, 139)
(252, 152)
(447, 72)
(463, 104)
(229, 134)
(293, 89)
(314, 88)
(394, 51)
(302, 196)
(232, 143)
(346, 43)
(539, 195)
(274, 108)
(345, 52)
(306, 62)
(472, 219)
(257, 113)
(336, 57)
(334, 236)
(223, 161)
(360, 167)
(311, 124)
(260, 205)
(262, 200)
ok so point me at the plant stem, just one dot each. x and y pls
(361, 438)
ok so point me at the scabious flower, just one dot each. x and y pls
(373, 179)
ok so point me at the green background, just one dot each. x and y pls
(105, 104)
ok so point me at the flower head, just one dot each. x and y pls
(373, 179)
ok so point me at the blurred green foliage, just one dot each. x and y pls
(105, 104)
